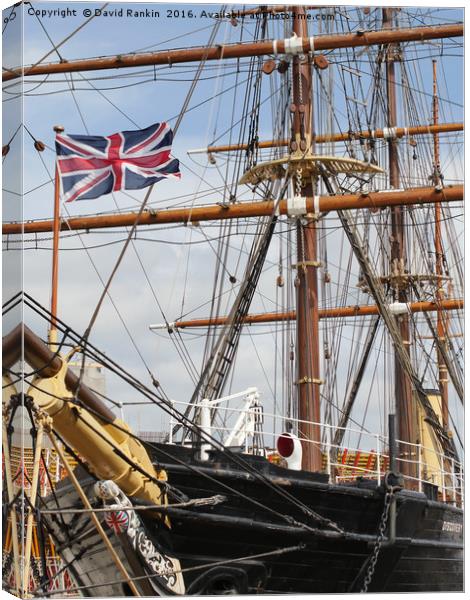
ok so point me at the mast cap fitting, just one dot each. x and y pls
(59, 128)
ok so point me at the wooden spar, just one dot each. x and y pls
(22, 343)
(308, 323)
(323, 313)
(440, 294)
(243, 210)
(89, 427)
(230, 51)
(341, 137)
(55, 250)
(405, 408)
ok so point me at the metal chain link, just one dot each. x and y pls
(303, 251)
(298, 182)
(301, 95)
(298, 191)
(378, 542)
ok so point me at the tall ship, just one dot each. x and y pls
(232, 331)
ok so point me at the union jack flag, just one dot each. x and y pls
(91, 165)
(117, 520)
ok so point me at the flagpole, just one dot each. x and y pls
(55, 250)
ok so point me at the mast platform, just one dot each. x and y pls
(309, 165)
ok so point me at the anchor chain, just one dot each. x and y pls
(380, 539)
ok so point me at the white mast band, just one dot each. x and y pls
(316, 205)
(390, 133)
(296, 206)
(293, 45)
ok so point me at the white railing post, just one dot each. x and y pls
(172, 422)
(443, 479)
(57, 468)
(247, 417)
(205, 424)
(328, 450)
(377, 442)
(454, 496)
(420, 469)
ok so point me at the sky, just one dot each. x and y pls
(180, 271)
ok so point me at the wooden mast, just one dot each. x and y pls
(404, 405)
(308, 331)
(440, 294)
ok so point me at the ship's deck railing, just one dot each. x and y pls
(445, 473)
(370, 460)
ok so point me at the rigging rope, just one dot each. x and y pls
(134, 225)
(169, 409)
(56, 46)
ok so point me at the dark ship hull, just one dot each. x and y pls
(237, 547)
